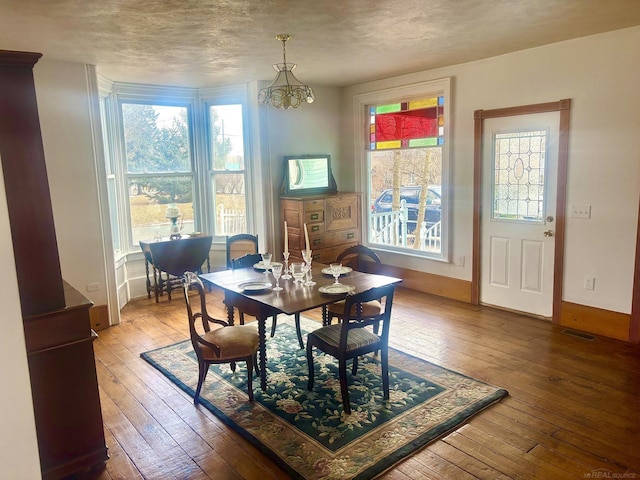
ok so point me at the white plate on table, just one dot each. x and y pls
(336, 289)
(343, 270)
(259, 266)
(255, 287)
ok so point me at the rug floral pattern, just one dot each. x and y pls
(307, 432)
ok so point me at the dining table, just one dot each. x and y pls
(294, 298)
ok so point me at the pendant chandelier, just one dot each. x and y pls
(286, 90)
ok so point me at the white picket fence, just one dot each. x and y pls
(230, 221)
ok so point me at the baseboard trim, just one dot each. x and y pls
(447, 287)
(595, 320)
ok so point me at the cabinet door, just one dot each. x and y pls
(341, 212)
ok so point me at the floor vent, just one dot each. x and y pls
(584, 336)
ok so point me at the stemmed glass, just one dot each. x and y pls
(306, 256)
(298, 271)
(266, 263)
(286, 275)
(276, 270)
(336, 271)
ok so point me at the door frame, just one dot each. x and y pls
(634, 324)
(564, 108)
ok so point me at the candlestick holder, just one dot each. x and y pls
(286, 274)
(306, 256)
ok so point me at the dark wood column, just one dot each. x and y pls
(58, 335)
(25, 177)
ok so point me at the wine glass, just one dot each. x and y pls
(266, 263)
(276, 270)
(336, 271)
(306, 256)
(298, 272)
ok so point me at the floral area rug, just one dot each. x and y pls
(307, 432)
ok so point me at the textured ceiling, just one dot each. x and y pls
(335, 42)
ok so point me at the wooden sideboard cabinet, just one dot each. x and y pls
(333, 224)
(64, 386)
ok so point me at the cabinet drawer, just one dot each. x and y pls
(315, 228)
(311, 217)
(333, 239)
(313, 205)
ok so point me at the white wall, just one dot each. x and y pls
(19, 457)
(600, 74)
(310, 129)
(64, 110)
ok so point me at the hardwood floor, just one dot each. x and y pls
(572, 410)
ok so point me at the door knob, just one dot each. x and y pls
(548, 233)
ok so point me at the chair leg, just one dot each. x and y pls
(310, 364)
(255, 364)
(241, 318)
(298, 332)
(342, 372)
(203, 369)
(273, 325)
(250, 376)
(384, 360)
(354, 367)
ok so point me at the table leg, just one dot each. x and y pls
(156, 288)
(146, 269)
(262, 333)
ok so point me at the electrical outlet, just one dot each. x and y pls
(581, 211)
(92, 287)
(460, 261)
(590, 283)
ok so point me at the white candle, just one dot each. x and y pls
(306, 237)
(286, 238)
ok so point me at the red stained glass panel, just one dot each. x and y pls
(407, 125)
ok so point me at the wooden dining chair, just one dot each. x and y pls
(352, 338)
(224, 344)
(357, 258)
(240, 245)
(248, 260)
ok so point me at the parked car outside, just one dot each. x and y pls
(382, 204)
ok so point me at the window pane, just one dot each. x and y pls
(231, 212)
(228, 175)
(226, 136)
(394, 221)
(156, 138)
(149, 198)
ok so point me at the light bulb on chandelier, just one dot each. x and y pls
(286, 90)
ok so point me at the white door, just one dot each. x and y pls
(519, 177)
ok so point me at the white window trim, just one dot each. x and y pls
(197, 101)
(361, 118)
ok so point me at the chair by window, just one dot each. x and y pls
(352, 338)
(248, 260)
(357, 258)
(240, 245)
(225, 344)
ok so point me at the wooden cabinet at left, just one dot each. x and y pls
(64, 386)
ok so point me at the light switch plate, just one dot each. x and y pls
(581, 211)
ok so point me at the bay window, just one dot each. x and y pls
(167, 146)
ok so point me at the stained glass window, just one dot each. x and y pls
(412, 124)
(518, 165)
